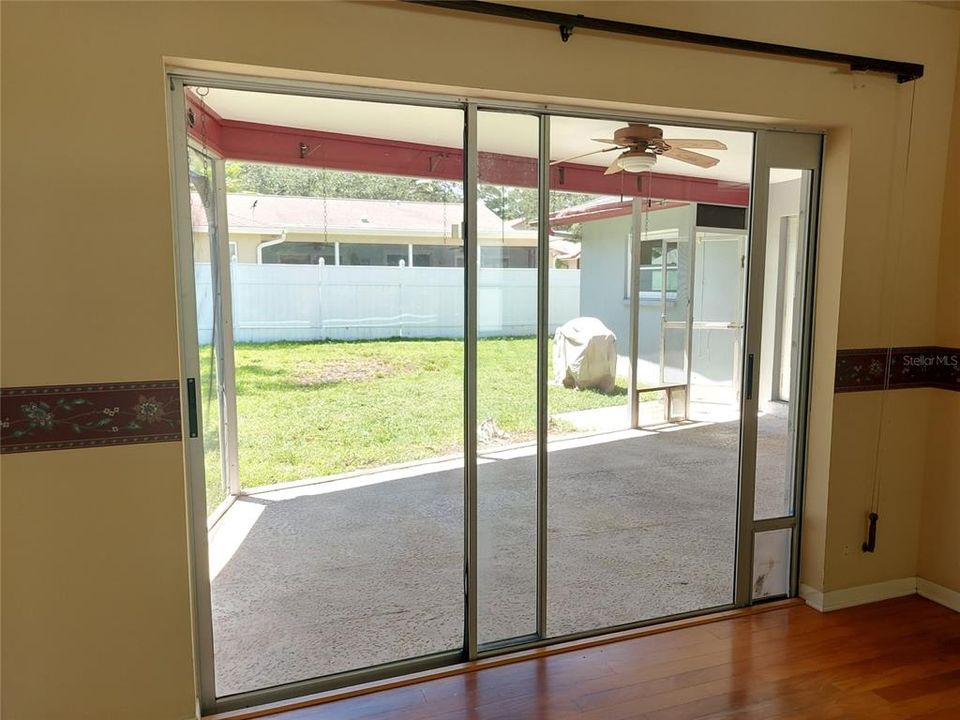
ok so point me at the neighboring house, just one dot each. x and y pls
(270, 229)
(691, 293)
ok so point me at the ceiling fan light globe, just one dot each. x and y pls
(635, 162)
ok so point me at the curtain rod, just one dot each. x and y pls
(567, 23)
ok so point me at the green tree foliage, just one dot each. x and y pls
(312, 182)
(509, 203)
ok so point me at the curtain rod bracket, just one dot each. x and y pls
(566, 30)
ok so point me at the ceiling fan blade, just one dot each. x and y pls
(577, 157)
(609, 141)
(695, 144)
(613, 168)
(704, 161)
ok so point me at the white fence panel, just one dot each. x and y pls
(311, 302)
(564, 297)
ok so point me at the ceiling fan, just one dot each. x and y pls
(641, 144)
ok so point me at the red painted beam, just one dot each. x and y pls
(255, 142)
(204, 125)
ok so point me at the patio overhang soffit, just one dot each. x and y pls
(257, 142)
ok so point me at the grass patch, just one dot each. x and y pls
(319, 408)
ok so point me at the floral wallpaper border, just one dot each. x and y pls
(57, 417)
(898, 368)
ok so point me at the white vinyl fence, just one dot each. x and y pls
(317, 302)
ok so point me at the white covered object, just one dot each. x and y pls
(585, 354)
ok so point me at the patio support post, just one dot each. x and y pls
(543, 349)
(634, 314)
(471, 263)
(691, 284)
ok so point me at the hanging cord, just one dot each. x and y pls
(887, 319)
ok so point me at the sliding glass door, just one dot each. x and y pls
(462, 378)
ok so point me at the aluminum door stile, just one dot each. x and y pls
(750, 363)
(471, 254)
(543, 351)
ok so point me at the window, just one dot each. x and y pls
(653, 264)
(298, 253)
(373, 254)
(438, 256)
(500, 256)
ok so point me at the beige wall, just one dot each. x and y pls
(939, 560)
(96, 605)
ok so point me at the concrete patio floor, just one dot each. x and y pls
(334, 576)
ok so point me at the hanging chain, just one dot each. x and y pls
(202, 94)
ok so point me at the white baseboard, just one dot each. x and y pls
(860, 595)
(939, 594)
(813, 597)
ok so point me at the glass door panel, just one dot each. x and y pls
(344, 548)
(642, 511)
(507, 347)
(203, 199)
(588, 402)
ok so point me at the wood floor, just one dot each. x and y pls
(895, 659)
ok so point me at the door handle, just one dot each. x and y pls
(749, 388)
(192, 407)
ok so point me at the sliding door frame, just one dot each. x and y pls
(193, 445)
(801, 151)
(190, 371)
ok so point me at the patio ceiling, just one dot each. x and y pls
(424, 142)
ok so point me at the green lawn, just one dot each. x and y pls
(318, 408)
